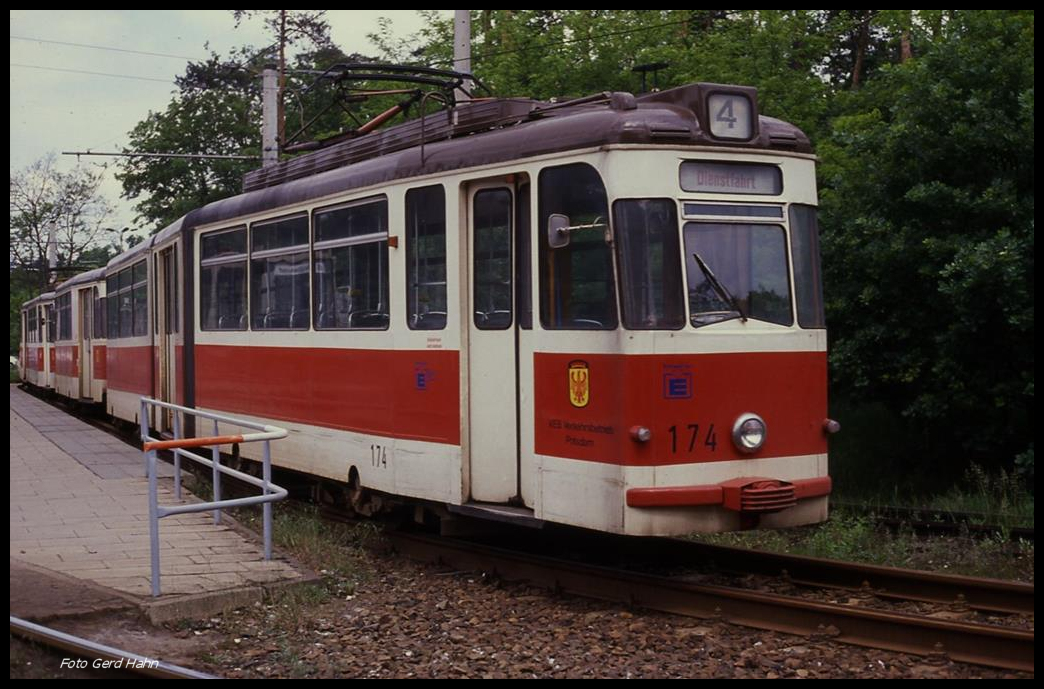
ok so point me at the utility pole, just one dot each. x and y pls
(52, 253)
(269, 116)
(282, 76)
(462, 49)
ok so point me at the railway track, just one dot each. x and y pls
(922, 634)
(106, 657)
(889, 583)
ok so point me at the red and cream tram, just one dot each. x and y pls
(36, 360)
(80, 337)
(604, 313)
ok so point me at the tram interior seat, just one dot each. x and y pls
(232, 322)
(326, 319)
(274, 320)
(367, 319)
(432, 320)
(493, 320)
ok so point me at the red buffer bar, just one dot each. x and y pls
(192, 442)
(739, 494)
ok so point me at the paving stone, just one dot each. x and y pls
(79, 506)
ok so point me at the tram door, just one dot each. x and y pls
(86, 352)
(492, 343)
(166, 327)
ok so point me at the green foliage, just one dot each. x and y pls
(69, 203)
(857, 538)
(1000, 498)
(216, 113)
(1024, 466)
(927, 216)
(334, 550)
(23, 288)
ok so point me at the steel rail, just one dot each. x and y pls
(84, 648)
(991, 595)
(961, 641)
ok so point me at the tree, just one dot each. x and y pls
(217, 111)
(928, 219)
(564, 53)
(43, 198)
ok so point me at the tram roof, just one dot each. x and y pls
(46, 296)
(138, 250)
(90, 276)
(497, 132)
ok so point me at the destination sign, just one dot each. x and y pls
(731, 178)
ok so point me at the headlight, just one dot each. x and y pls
(748, 433)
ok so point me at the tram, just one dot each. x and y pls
(604, 312)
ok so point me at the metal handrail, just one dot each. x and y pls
(270, 492)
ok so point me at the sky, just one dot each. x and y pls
(89, 95)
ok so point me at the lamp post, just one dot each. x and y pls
(119, 233)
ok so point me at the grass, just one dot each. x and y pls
(857, 538)
(333, 549)
(1000, 498)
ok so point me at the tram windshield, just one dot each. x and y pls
(750, 263)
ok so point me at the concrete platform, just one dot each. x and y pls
(79, 508)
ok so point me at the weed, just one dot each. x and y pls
(998, 499)
(857, 538)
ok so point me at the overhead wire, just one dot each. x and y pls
(100, 47)
(83, 71)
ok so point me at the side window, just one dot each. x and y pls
(140, 297)
(99, 314)
(492, 273)
(350, 260)
(222, 278)
(426, 306)
(112, 306)
(86, 307)
(808, 278)
(279, 275)
(650, 264)
(577, 290)
(524, 262)
(126, 303)
(63, 307)
(51, 322)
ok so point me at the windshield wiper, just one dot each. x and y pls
(723, 292)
